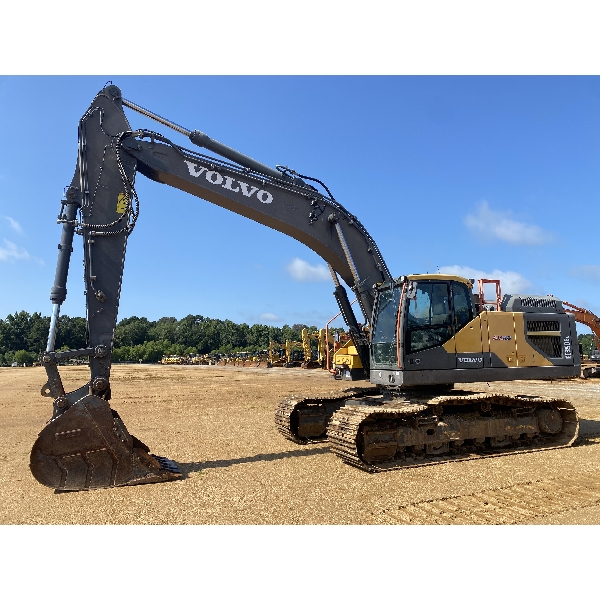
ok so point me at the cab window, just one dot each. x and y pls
(384, 335)
(463, 311)
(429, 316)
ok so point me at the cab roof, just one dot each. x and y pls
(441, 277)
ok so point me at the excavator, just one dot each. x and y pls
(418, 336)
(587, 317)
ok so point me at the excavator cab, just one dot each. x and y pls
(428, 332)
(416, 319)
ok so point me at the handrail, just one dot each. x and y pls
(482, 300)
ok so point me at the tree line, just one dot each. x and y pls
(23, 337)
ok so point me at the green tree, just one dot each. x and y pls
(152, 351)
(259, 336)
(23, 331)
(232, 337)
(211, 336)
(588, 342)
(164, 329)
(190, 331)
(71, 333)
(24, 357)
(16, 330)
(38, 333)
(132, 331)
(294, 333)
(8, 358)
(121, 354)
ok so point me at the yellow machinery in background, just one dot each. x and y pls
(346, 362)
(173, 359)
(325, 342)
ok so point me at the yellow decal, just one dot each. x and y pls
(501, 337)
(468, 339)
(121, 203)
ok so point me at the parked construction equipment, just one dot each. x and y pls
(173, 359)
(419, 334)
(587, 317)
(314, 359)
(346, 361)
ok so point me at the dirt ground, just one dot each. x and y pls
(217, 424)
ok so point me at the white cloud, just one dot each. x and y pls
(269, 317)
(301, 271)
(488, 223)
(510, 281)
(10, 252)
(14, 225)
(585, 272)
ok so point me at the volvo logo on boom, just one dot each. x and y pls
(229, 183)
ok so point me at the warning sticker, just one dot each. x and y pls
(121, 203)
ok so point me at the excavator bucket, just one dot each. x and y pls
(89, 447)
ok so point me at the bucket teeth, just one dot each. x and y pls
(89, 447)
(167, 464)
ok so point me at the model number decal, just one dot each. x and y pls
(121, 203)
(567, 344)
(502, 338)
(230, 184)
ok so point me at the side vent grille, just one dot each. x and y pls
(538, 302)
(550, 345)
(543, 326)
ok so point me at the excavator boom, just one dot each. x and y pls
(86, 444)
(585, 317)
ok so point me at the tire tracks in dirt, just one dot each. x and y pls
(516, 504)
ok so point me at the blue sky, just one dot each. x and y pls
(491, 176)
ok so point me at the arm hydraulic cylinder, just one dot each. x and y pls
(58, 293)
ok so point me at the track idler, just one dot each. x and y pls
(89, 447)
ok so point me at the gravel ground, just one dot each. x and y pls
(217, 424)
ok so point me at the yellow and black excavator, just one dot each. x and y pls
(420, 334)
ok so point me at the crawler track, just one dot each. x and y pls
(462, 427)
(304, 420)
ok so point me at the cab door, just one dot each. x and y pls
(383, 337)
(428, 326)
(468, 345)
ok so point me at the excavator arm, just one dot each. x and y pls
(86, 445)
(585, 317)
